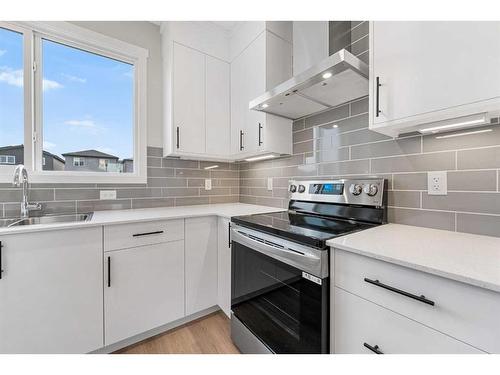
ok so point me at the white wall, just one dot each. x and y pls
(146, 35)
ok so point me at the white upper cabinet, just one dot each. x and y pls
(196, 91)
(432, 71)
(210, 76)
(261, 65)
(189, 100)
(217, 107)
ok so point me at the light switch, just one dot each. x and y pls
(208, 184)
(437, 183)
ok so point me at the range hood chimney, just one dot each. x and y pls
(339, 78)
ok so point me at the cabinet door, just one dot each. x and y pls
(218, 131)
(238, 109)
(428, 66)
(224, 267)
(201, 263)
(143, 290)
(51, 292)
(189, 100)
(255, 84)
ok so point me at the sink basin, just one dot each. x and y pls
(48, 219)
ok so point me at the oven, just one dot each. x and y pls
(279, 294)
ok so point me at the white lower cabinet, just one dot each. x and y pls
(224, 267)
(144, 289)
(51, 292)
(201, 263)
(364, 327)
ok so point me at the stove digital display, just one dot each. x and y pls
(326, 189)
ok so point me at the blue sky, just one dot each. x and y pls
(87, 99)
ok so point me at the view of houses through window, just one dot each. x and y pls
(87, 106)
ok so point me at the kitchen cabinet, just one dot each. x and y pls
(362, 327)
(201, 263)
(197, 97)
(51, 292)
(463, 312)
(224, 266)
(263, 64)
(431, 71)
(189, 100)
(144, 289)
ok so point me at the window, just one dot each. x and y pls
(85, 96)
(78, 162)
(7, 159)
(11, 96)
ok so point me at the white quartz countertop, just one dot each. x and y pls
(226, 210)
(463, 257)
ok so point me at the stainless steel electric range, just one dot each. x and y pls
(280, 264)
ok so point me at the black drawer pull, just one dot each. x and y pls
(374, 349)
(177, 135)
(399, 291)
(1, 270)
(109, 272)
(147, 233)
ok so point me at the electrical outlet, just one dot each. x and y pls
(208, 184)
(269, 183)
(437, 183)
(107, 194)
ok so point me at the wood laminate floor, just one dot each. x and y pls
(208, 335)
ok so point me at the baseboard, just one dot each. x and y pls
(155, 331)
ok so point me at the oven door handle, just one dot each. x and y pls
(311, 261)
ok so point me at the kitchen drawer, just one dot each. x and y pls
(359, 322)
(466, 312)
(123, 236)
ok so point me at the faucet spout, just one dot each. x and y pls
(21, 180)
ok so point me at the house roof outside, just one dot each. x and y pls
(91, 154)
(8, 148)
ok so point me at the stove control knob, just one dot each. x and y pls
(370, 189)
(293, 188)
(302, 188)
(355, 189)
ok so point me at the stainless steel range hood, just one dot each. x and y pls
(339, 78)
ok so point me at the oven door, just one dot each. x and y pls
(280, 291)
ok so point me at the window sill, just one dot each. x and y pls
(77, 177)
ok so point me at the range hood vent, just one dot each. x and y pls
(339, 78)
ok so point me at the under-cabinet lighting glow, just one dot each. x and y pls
(327, 75)
(211, 167)
(463, 133)
(462, 122)
(335, 126)
(262, 157)
(265, 105)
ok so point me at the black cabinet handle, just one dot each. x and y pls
(241, 140)
(109, 272)
(1, 270)
(377, 97)
(229, 234)
(374, 349)
(260, 134)
(177, 134)
(147, 233)
(399, 291)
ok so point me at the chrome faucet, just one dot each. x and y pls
(21, 179)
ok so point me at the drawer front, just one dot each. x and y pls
(124, 236)
(360, 324)
(468, 313)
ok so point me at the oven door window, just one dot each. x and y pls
(286, 311)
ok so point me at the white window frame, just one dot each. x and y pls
(81, 161)
(84, 39)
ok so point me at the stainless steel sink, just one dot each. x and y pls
(47, 219)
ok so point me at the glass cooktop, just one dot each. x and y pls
(303, 228)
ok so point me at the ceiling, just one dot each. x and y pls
(227, 25)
